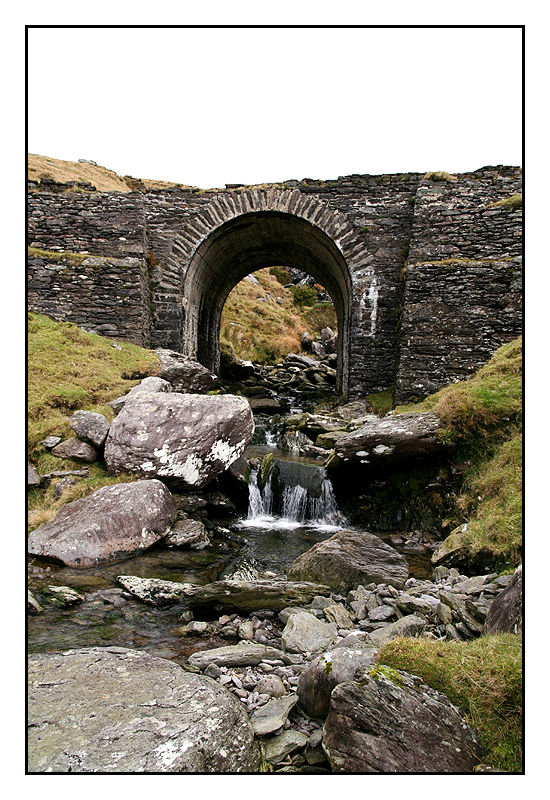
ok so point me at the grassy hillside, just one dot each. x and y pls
(104, 180)
(484, 417)
(69, 369)
(264, 323)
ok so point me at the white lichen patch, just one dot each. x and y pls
(224, 452)
(383, 450)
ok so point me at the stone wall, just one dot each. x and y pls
(108, 296)
(425, 273)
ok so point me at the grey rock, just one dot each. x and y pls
(506, 612)
(150, 384)
(391, 440)
(90, 427)
(381, 613)
(33, 478)
(33, 606)
(187, 533)
(110, 524)
(154, 591)
(335, 666)
(273, 715)
(236, 595)
(337, 614)
(186, 439)
(62, 485)
(75, 449)
(350, 558)
(409, 626)
(185, 374)
(243, 654)
(271, 685)
(278, 747)
(50, 441)
(304, 633)
(164, 719)
(390, 721)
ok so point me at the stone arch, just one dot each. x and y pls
(239, 233)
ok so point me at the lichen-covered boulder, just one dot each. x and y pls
(185, 439)
(111, 524)
(506, 612)
(350, 558)
(390, 721)
(111, 709)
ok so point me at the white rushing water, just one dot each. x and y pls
(297, 508)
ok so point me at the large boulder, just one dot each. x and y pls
(390, 721)
(184, 373)
(111, 709)
(350, 558)
(387, 441)
(185, 439)
(237, 595)
(328, 670)
(111, 524)
(506, 612)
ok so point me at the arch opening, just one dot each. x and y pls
(244, 245)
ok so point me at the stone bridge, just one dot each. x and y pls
(424, 270)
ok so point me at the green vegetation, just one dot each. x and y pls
(75, 259)
(69, 369)
(381, 402)
(264, 323)
(304, 295)
(483, 418)
(483, 677)
(440, 176)
(512, 202)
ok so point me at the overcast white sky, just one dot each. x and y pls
(209, 106)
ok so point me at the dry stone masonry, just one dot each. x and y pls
(424, 270)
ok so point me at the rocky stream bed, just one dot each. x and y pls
(221, 613)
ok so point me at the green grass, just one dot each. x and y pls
(483, 417)
(483, 677)
(69, 369)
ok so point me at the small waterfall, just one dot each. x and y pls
(292, 504)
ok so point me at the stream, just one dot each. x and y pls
(294, 510)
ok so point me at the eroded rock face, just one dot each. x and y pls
(386, 441)
(390, 721)
(164, 719)
(350, 558)
(90, 426)
(185, 439)
(111, 524)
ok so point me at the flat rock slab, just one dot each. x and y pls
(111, 524)
(304, 633)
(273, 715)
(184, 373)
(154, 591)
(348, 559)
(244, 654)
(118, 710)
(390, 721)
(254, 595)
(185, 439)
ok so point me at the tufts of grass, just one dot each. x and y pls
(512, 202)
(440, 176)
(483, 677)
